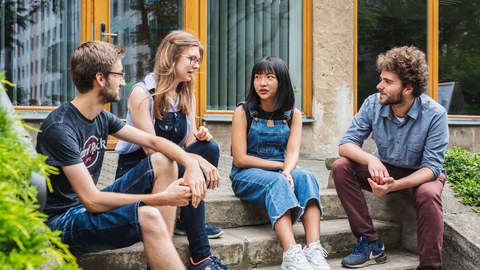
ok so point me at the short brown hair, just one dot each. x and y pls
(91, 57)
(409, 64)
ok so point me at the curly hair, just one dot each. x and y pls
(167, 55)
(409, 64)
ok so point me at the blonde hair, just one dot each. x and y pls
(167, 55)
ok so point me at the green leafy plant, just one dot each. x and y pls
(25, 240)
(463, 170)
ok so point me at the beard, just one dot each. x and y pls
(393, 100)
(108, 94)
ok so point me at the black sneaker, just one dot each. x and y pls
(212, 230)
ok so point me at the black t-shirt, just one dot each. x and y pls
(68, 138)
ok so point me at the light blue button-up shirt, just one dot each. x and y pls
(420, 141)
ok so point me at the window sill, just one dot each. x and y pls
(463, 122)
(32, 114)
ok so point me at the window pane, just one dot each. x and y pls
(241, 32)
(141, 26)
(459, 57)
(45, 77)
(383, 24)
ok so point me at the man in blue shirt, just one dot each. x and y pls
(410, 131)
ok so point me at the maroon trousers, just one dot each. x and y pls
(350, 178)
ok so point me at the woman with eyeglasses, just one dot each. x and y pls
(164, 105)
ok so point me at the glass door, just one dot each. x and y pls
(39, 37)
(37, 40)
(382, 25)
(139, 27)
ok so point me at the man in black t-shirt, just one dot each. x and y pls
(141, 205)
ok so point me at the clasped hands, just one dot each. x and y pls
(380, 181)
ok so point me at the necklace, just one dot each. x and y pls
(270, 122)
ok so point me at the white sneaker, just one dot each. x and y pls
(316, 255)
(294, 259)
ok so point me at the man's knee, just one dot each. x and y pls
(338, 167)
(161, 163)
(427, 196)
(151, 221)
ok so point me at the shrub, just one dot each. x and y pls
(25, 240)
(463, 171)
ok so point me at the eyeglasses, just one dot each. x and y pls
(121, 74)
(193, 59)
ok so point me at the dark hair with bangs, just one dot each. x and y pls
(285, 99)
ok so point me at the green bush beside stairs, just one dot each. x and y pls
(25, 241)
(463, 171)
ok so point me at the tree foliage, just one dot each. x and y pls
(459, 56)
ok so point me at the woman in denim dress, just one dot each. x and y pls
(266, 134)
(164, 105)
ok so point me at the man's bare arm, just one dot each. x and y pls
(96, 201)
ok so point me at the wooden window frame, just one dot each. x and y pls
(93, 12)
(432, 56)
(195, 21)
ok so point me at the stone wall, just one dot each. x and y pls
(333, 51)
(467, 137)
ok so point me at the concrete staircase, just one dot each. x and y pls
(249, 241)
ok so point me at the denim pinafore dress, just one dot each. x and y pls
(270, 189)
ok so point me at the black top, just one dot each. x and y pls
(261, 114)
(68, 138)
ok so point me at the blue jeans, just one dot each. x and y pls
(270, 189)
(193, 218)
(85, 232)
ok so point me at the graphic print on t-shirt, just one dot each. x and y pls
(90, 150)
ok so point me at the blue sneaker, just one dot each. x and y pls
(212, 231)
(365, 254)
(209, 263)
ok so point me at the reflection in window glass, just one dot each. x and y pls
(459, 57)
(141, 26)
(20, 29)
(382, 25)
(241, 32)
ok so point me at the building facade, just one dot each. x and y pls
(330, 47)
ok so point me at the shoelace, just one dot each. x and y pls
(319, 249)
(299, 257)
(360, 247)
(218, 264)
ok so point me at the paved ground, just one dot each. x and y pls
(317, 167)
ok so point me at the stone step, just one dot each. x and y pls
(397, 260)
(246, 247)
(225, 210)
